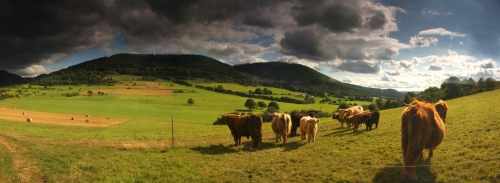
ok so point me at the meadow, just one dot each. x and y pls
(140, 150)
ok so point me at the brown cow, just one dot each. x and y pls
(245, 126)
(358, 119)
(350, 112)
(442, 108)
(281, 125)
(421, 128)
(340, 116)
(308, 128)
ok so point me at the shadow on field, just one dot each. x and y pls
(290, 146)
(391, 174)
(339, 132)
(216, 149)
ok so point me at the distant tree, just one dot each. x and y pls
(408, 97)
(90, 92)
(250, 104)
(373, 107)
(343, 105)
(261, 104)
(452, 88)
(273, 104)
(190, 101)
(490, 84)
(258, 91)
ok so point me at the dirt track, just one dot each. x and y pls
(57, 119)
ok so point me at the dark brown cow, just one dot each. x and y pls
(358, 119)
(296, 120)
(442, 109)
(245, 126)
(421, 128)
(374, 118)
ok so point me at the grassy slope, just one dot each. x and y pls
(137, 151)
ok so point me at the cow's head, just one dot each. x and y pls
(335, 115)
(314, 122)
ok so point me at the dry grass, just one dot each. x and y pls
(58, 119)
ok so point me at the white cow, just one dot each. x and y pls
(308, 128)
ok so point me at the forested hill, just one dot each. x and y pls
(289, 73)
(297, 77)
(294, 77)
(7, 78)
(169, 67)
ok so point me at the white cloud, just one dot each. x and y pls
(33, 70)
(441, 32)
(436, 63)
(417, 41)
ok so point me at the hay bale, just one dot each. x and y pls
(87, 120)
(87, 115)
(108, 118)
(14, 108)
(24, 113)
(29, 120)
(72, 118)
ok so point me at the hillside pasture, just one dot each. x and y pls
(57, 119)
(140, 150)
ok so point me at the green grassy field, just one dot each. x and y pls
(140, 150)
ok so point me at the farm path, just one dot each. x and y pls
(25, 166)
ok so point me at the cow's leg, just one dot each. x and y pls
(277, 136)
(431, 151)
(235, 140)
(283, 136)
(239, 141)
(342, 124)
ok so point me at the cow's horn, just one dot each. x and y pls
(404, 103)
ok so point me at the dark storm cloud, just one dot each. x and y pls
(302, 44)
(339, 16)
(360, 67)
(35, 30)
(31, 32)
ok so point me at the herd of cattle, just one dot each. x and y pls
(422, 127)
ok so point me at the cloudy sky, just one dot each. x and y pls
(404, 45)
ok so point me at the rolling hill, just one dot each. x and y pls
(9, 78)
(294, 77)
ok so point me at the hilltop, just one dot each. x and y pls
(9, 78)
(294, 77)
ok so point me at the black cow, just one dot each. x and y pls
(296, 119)
(375, 116)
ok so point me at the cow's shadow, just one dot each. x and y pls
(340, 131)
(391, 173)
(217, 149)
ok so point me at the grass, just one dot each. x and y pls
(140, 150)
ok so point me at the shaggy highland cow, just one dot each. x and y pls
(421, 128)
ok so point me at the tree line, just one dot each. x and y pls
(452, 88)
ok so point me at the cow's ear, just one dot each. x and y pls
(317, 120)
